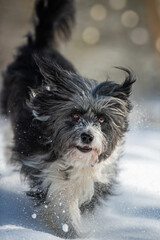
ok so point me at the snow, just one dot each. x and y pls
(132, 213)
(34, 215)
(65, 227)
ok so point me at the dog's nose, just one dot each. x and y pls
(86, 138)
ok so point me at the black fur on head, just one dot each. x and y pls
(64, 94)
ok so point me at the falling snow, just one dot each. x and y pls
(65, 228)
(34, 215)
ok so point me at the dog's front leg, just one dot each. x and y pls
(62, 213)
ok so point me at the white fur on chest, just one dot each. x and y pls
(78, 186)
(80, 182)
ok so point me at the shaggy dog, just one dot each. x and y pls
(67, 129)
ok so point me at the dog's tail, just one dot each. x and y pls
(53, 22)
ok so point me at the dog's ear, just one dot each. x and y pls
(56, 75)
(53, 73)
(121, 91)
(49, 69)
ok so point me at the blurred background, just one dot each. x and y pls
(108, 33)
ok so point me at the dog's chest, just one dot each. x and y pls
(78, 184)
(82, 184)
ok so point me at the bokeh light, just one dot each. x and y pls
(158, 44)
(139, 36)
(91, 35)
(117, 4)
(129, 19)
(98, 12)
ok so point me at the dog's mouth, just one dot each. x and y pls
(84, 149)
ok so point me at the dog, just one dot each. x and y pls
(68, 130)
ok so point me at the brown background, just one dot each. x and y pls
(128, 35)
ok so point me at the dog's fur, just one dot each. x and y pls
(67, 129)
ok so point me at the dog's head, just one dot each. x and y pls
(83, 121)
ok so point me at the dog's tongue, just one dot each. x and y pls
(86, 147)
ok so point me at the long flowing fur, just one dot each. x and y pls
(68, 130)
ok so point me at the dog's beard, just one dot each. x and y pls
(77, 158)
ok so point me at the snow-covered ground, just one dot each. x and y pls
(133, 213)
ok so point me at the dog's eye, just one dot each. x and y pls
(101, 120)
(76, 116)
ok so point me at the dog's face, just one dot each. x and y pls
(83, 120)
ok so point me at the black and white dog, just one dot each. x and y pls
(68, 130)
